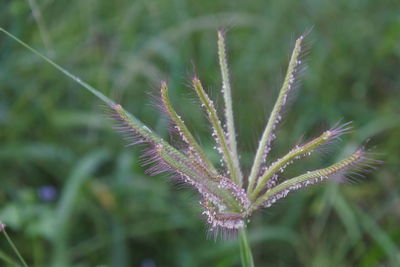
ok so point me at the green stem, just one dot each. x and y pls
(14, 248)
(245, 250)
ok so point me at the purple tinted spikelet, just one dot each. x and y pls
(238, 192)
(224, 225)
(166, 160)
(178, 125)
(134, 133)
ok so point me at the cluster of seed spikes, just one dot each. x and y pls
(229, 197)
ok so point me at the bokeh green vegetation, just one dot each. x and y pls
(107, 212)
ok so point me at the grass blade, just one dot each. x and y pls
(3, 229)
(69, 197)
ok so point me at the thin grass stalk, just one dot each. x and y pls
(245, 249)
(230, 125)
(85, 85)
(14, 248)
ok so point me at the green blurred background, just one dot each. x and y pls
(72, 193)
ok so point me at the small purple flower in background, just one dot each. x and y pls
(148, 263)
(47, 193)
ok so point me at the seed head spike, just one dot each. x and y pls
(227, 206)
(268, 135)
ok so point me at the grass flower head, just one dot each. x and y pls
(230, 197)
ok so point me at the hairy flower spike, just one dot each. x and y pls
(165, 158)
(275, 117)
(227, 205)
(299, 152)
(230, 125)
(183, 131)
(356, 163)
(218, 131)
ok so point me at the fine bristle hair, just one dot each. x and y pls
(221, 233)
(338, 130)
(131, 135)
(366, 164)
(335, 135)
(221, 225)
(155, 164)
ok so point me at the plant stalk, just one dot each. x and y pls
(14, 248)
(245, 250)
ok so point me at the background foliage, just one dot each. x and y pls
(72, 194)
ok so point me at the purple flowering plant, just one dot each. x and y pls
(229, 197)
